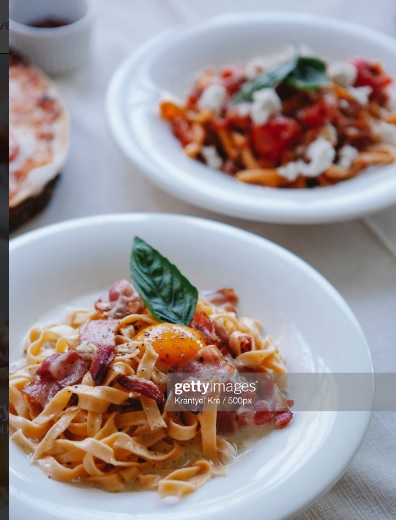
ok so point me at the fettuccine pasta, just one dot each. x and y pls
(90, 402)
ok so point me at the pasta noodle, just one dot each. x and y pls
(117, 433)
(284, 134)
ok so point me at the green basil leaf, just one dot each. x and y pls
(168, 295)
(270, 78)
(301, 72)
(309, 74)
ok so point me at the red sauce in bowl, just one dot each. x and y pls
(49, 22)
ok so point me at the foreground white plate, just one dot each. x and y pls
(169, 63)
(64, 264)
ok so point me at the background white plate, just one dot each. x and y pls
(169, 63)
(65, 264)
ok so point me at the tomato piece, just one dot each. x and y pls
(273, 138)
(235, 119)
(322, 111)
(174, 343)
(371, 74)
(194, 96)
(182, 131)
(232, 78)
(227, 72)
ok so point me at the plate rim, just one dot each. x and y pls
(366, 201)
(362, 418)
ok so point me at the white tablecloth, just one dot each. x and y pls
(357, 257)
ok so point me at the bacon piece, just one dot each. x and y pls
(120, 287)
(229, 421)
(202, 323)
(246, 343)
(268, 403)
(282, 418)
(56, 372)
(142, 386)
(41, 390)
(120, 301)
(225, 297)
(207, 363)
(268, 406)
(101, 333)
(225, 421)
(66, 368)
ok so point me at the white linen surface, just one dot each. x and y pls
(357, 257)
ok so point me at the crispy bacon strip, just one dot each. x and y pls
(66, 368)
(246, 343)
(120, 301)
(101, 333)
(56, 372)
(208, 362)
(211, 332)
(225, 297)
(41, 390)
(142, 386)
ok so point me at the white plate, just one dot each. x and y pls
(64, 264)
(169, 63)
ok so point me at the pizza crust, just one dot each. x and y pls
(31, 206)
(39, 126)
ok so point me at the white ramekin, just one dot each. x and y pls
(59, 49)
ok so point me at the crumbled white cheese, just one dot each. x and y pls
(211, 157)
(213, 98)
(243, 109)
(360, 94)
(386, 132)
(342, 73)
(321, 155)
(346, 155)
(292, 170)
(266, 102)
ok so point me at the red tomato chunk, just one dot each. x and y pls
(273, 138)
(372, 75)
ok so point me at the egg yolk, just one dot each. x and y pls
(174, 343)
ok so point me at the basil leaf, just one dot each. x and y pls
(301, 72)
(167, 293)
(270, 78)
(308, 74)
